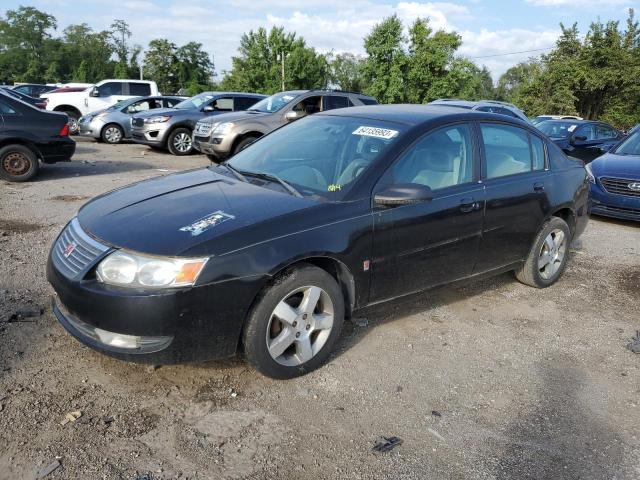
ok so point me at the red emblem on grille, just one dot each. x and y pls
(69, 249)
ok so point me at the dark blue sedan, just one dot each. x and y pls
(615, 181)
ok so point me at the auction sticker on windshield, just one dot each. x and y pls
(375, 132)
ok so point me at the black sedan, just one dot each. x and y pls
(29, 135)
(583, 139)
(36, 102)
(271, 250)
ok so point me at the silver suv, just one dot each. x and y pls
(490, 106)
(227, 134)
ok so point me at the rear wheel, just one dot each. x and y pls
(18, 163)
(294, 324)
(244, 143)
(547, 258)
(179, 142)
(112, 133)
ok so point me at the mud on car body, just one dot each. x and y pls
(271, 250)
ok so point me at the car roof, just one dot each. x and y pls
(239, 94)
(410, 114)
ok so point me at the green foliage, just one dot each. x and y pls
(346, 72)
(258, 67)
(595, 76)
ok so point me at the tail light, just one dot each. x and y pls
(64, 132)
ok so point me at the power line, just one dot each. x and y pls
(513, 53)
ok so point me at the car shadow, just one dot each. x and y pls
(86, 168)
(615, 221)
(406, 306)
(560, 437)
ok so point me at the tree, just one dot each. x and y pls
(120, 34)
(195, 66)
(345, 72)
(257, 68)
(385, 64)
(160, 64)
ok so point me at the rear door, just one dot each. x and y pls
(426, 244)
(243, 103)
(332, 102)
(516, 178)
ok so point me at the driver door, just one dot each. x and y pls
(421, 245)
(108, 94)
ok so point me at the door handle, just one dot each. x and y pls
(538, 187)
(468, 205)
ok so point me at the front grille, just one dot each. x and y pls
(74, 251)
(137, 122)
(620, 186)
(202, 129)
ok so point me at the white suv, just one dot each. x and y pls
(97, 97)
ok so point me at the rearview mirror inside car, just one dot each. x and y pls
(403, 194)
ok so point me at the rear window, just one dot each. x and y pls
(242, 103)
(140, 89)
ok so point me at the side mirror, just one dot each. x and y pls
(292, 115)
(579, 138)
(606, 147)
(94, 92)
(403, 194)
(209, 109)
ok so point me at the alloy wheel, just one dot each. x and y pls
(16, 163)
(300, 326)
(182, 142)
(552, 253)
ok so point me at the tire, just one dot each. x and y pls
(179, 142)
(547, 259)
(112, 133)
(74, 126)
(18, 163)
(244, 143)
(214, 158)
(304, 334)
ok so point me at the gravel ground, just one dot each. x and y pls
(487, 380)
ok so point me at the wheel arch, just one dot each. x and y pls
(67, 108)
(242, 136)
(21, 141)
(568, 215)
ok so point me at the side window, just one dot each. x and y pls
(170, 102)
(6, 109)
(507, 112)
(537, 153)
(139, 89)
(367, 101)
(140, 106)
(331, 102)
(309, 105)
(438, 160)
(604, 132)
(506, 150)
(223, 104)
(588, 131)
(242, 103)
(110, 88)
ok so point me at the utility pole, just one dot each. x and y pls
(281, 57)
(141, 72)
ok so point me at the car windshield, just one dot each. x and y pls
(195, 102)
(274, 102)
(320, 156)
(557, 129)
(630, 146)
(122, 104)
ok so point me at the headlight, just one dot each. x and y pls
(132, 270)
(157, 119)
(590, 176)
(222, 128)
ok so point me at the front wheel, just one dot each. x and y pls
(547, 258)
(179, 142)
(294, 324)
(112, 134)
(17, 163)
(244, 143)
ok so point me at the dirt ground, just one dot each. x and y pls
(488, 380)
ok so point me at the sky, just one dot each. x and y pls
(489, 29)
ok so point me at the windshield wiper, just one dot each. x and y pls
(235, 172)
(273, 178)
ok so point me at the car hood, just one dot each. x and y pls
(181, 214)
(235, 117)
(612, 164)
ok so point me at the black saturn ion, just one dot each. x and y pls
(268, 252)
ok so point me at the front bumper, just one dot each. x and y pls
(153, 134)
(173, 326)
(60, 150)
(91, 128)
(220, 147)
(613, 205)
